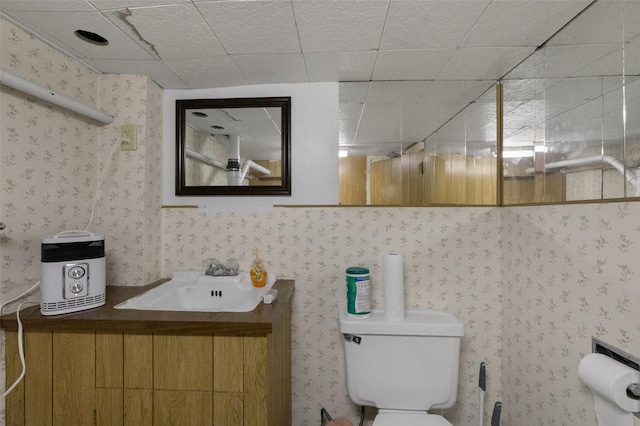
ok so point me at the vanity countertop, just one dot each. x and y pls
(260, 321)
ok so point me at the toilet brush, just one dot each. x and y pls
(483, 388)
(495, 417)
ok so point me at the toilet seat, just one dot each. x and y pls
(408, 418)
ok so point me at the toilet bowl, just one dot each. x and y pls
(404, 368)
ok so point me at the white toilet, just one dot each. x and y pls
(403, 368)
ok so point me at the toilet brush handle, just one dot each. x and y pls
(497, 410)
(483, 387)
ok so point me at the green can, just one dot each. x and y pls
(358, 293)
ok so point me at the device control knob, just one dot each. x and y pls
(76, 272)
(76, 287)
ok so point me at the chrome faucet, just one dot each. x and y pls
(218, 269)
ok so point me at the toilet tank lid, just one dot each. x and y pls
(415, 323)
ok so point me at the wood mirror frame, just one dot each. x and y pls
(227, 106)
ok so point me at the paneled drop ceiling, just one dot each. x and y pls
(406, 66)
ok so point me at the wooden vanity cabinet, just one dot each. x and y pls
(151, 378)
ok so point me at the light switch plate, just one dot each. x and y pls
(128, 137)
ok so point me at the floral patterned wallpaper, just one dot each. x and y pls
(451, 262)
(198, 173)
(569, 273)
(53, 161)
(531, 284)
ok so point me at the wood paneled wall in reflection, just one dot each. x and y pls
(260, 179)
(353, 181)
(412, 180)
(458, 179)
(385, 180)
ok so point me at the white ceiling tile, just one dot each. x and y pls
(266, 69)
(396, 92)
(207, 72)
(349, 117)
(380, 123)
(609, 64)
(190, 37)
(455, 92)
(156, 70)
(419, 24)
(340, 25)
(410, 64)
(604, 22)
(121, 4)
(59, 27)
(521, 23)
(46, 5)
(353, 91)
(252, 27)
(340, 66)
(483, 63)
(561, 61)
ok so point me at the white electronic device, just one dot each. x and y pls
(73, 272)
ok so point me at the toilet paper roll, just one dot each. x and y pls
(393, 287)
(609, 379)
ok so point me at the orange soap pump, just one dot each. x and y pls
(257, 273)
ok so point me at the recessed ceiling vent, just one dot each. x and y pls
(92, 38)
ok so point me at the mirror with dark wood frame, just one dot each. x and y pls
(237, 146)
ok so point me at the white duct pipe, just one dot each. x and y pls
(250, 164)
(234, 147)
(18, 83)
(203, 158)
(629, 175)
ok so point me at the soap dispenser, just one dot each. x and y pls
(257, 273)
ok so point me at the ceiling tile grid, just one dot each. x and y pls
(407, 66)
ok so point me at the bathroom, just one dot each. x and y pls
(532, 284)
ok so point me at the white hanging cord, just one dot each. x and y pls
(20, 333)
(99, 184)
(20, 352)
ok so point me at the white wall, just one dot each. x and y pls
(314, 146)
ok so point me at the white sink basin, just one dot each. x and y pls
(195, 291)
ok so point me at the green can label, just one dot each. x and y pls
(358, 293)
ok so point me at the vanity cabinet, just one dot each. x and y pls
(159, 373)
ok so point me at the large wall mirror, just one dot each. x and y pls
(238, 146)
(562, 126)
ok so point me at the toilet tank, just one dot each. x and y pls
(403, 365)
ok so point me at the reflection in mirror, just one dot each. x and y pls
(572, 112)
(396, 151)
(235, 146)
(461, 157)
(569, 117)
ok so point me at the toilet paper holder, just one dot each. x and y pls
(602, 347)
(633, 391)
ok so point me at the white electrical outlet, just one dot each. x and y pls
(128, 140)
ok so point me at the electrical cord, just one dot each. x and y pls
(98, 185)
(20, 333)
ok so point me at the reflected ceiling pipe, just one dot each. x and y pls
(629, 175)
(236, 173)
(203, 158)
(26, 86)
(250, 164)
